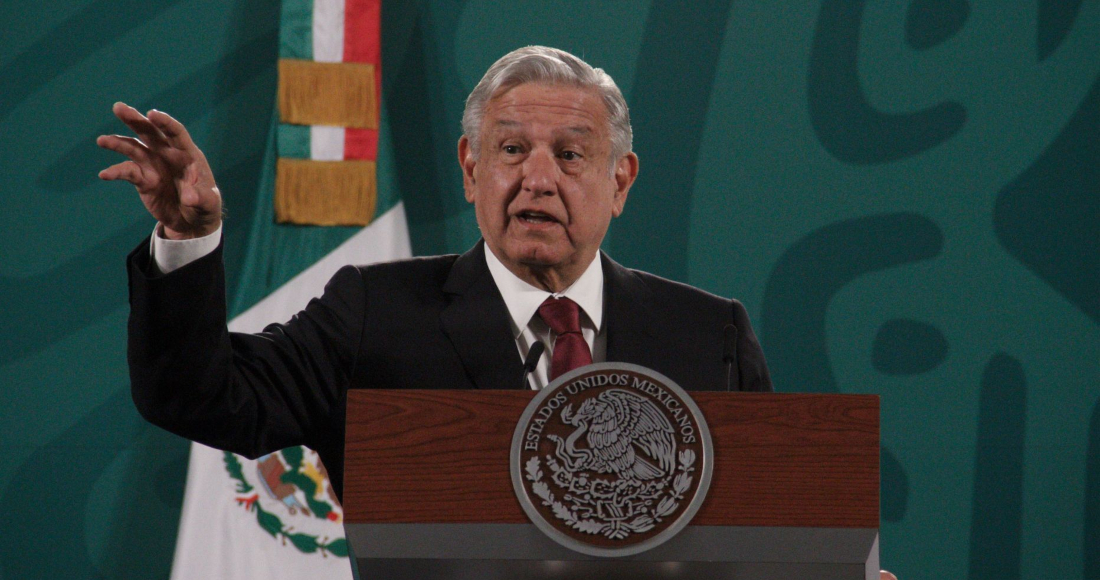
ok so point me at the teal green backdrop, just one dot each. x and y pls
(905, 195)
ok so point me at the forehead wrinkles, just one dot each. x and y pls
(555, 108)
(509, 126)
(559, 106)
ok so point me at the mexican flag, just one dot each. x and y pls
(277, 517)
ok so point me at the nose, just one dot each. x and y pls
(540, 173)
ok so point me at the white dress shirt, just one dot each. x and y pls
(522, 299)
(171, 255)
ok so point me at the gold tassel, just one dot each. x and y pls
(325, 193)
(341, 94)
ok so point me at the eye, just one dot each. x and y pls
(511, 149)
(570, 155)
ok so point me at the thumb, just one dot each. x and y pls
(190, 197)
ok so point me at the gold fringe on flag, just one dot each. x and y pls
(341, 94)
(325, 193)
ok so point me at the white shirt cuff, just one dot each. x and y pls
(169, 255)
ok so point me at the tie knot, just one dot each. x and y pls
(562, 315)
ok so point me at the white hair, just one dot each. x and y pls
(542, 64)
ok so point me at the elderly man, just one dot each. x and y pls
(546, 160)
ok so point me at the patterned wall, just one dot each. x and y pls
(906, 196)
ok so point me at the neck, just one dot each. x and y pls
(553, 278)
(545, 277)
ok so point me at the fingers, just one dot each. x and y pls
(126, 171)
(173, 130)
(156, 128)
(139, 124)
(128, 146)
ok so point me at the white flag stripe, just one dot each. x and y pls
(326, 143)
(386, 238)
(328, 30)
(221, 540)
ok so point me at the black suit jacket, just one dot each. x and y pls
(428, 323)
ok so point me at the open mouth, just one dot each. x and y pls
(536, 217)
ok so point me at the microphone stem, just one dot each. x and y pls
(532, 360)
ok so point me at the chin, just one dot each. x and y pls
(539, 256)
(536, 259)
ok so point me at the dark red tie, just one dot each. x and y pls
(563, 316)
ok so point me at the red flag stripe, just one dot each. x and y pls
(363, 43)
(361, 144)
(362, 31)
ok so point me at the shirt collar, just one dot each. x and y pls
(523, 300)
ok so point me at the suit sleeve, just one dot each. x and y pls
(250, 394)
(752, 369)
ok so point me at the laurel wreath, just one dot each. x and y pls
(236, 471)
(619, 530)
(272, 524)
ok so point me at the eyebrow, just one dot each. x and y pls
(579, 130)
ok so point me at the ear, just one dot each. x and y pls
(626, 171)
(467, 162)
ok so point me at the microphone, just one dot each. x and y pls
(532, 360)
(729, 352)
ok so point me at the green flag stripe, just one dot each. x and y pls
(293, 141)
(296, 29)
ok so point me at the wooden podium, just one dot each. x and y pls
(794, 493)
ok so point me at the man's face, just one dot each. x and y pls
(541, 185)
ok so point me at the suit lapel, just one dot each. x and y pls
(476, 322)
(628, 316)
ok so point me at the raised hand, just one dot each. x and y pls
(170, 173)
